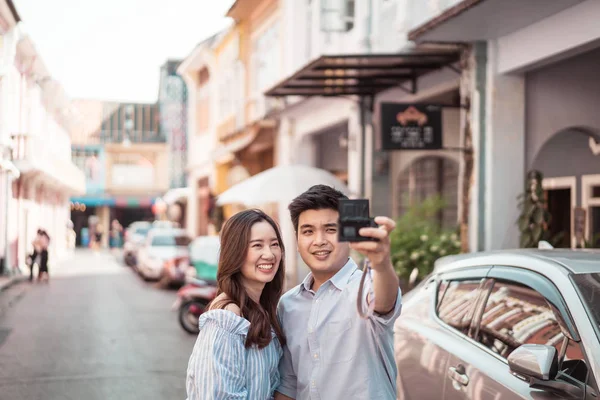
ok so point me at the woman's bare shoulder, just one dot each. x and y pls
(221, 303)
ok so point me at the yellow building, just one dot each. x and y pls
(231, 136)
(249, 61)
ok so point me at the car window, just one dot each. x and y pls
(588, 286)
(516, 314)
(456, 303)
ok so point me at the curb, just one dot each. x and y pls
(11, 281)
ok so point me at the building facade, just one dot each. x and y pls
(37, 119)
(347, 59)
(172, 108)
(234, 132)
(536, 98)
(240, 125)
(125, 158)
(199, 71)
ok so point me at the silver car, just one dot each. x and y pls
(165, 254)
(521, 324)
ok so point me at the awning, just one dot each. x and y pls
(177, 194)
(116, 201)
(365, 74)
(474, 20)
(240, 140)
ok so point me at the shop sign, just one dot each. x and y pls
(407, 126)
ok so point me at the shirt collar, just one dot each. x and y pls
(339, 280)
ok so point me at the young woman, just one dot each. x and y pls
(240, 341)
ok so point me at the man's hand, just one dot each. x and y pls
(385, 280)
(377, 252)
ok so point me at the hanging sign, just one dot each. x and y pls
(406, 126)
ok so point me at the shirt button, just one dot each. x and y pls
(310, 330)
(313, 384)
(316, 355)
(318, 300)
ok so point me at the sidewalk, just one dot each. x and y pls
(8, 281)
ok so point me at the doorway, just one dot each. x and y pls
(594, 239)
(559, 206)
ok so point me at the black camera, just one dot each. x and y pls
(354, 214)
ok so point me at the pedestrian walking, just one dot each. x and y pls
(332, 351)
(239, 346)
(35, 256)
(43, 272)
(97, 238)
(115, 234)
(39, 256)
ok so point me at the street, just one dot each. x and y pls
(95, 331)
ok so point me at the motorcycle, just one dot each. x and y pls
(191, 302)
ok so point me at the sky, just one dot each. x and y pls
(113, 49)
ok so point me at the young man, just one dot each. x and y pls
(333, 353)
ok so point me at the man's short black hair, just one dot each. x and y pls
(318, 197)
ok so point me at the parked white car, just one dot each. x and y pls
(162, 248)
(135, 236)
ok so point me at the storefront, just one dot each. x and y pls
(419, 170)
(537, 93)
(346, 93)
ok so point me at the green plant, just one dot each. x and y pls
(593, 243)
(535, 218)
(419, 239)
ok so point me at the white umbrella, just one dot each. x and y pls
(279, 185)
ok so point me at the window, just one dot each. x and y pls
(427, 177)
(266, 58)
(350, 11)
(456, 303)
(588, 286)
(202, 101)
(516, 314)
(337, 15)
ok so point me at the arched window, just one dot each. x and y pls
(426, 177)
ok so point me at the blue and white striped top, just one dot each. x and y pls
(220, 366)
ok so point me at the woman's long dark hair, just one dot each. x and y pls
(235, 243)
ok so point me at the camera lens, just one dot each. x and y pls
(349, 231)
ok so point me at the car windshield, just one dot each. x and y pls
(170, 240)
(589, 291)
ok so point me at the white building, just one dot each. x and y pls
(8, 172)
(368, 39)
(36, 120)
(538, 90)
(200, 73)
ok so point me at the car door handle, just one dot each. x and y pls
(458, 375)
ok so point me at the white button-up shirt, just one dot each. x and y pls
(331, 352)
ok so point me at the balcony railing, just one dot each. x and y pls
(25, 147)
(117, 136)
(31, 153)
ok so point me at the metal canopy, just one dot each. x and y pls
(364, 75)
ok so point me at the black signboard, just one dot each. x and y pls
(411, 126)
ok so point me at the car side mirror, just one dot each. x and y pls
(538, 365)
(536, 361)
